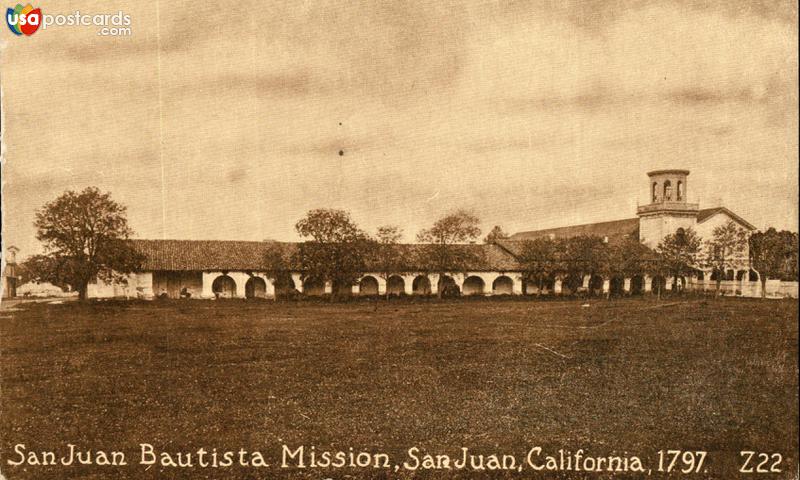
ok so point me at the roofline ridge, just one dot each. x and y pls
(204, 240)
(578, 226)
(731, 214)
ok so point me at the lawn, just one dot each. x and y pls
(623, 377)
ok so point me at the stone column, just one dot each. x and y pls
(355, 289)
(586, 280)
(626, 286)
(557, 286)
(298, 282)
(328, 287)
(434, 279)
(516, 289)
(670, 281)
(648, 283)
(606, 286)
(459, 279)
(381, 285)
(208, 281)
(270, 290)
(240, 278)
(408, 284)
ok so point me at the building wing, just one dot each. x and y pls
(229, 255)
(706, 213)
(614, 230)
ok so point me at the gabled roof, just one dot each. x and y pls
(706, 213)
(617, 229)
(228, 255)
(496, 258)
(614, 230)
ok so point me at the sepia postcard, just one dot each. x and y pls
(399, 239)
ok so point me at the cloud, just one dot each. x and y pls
(533, 113)
(596, 15)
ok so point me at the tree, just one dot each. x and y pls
(725, 249)
(496, 234)
(386, 258)
(678, 252)
(628, 258)
(791, 271)
(541, 258)
(631, 257)
(47, 268)
(773, 254)
(444, 250)
(84, 237)
(277, 264)
(586, 255)
(337, 249)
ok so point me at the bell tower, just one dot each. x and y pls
(668, 209)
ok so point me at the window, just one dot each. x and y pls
(655, 192)
(667, 191)
(679, 192)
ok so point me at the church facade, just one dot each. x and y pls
(214, 269)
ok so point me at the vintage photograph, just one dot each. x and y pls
(399, 239)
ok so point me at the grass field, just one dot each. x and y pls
(632, 376)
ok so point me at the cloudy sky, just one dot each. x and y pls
(224, 120)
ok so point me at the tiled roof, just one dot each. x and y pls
(614, 230)
(496, 258)
(227, 255)
(203, 254)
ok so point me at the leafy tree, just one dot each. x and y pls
(586, 255)
(46, 268)
(84, 237)
(658, 270)
(496, 234)
(337, 249)
(790, 269)
(773, 254)
(387, 258)
(24, 273)
(541, 258)
(277, 263)
(444, 250)
(725, 249)
(679, 251)
(630, 258)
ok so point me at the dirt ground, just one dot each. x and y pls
(624, 377)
